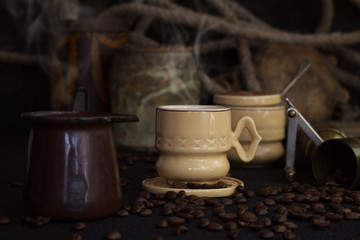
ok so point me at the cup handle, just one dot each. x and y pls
(246, 122)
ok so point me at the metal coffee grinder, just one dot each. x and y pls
(334, 156)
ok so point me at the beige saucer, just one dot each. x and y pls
(159, 185)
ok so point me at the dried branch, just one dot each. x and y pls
(246, 65)
(327, 15)
(248, 31)
(21, 58)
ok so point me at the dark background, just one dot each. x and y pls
(25, 87)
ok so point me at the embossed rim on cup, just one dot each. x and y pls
(193, 108)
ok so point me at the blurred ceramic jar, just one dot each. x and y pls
(269, 116)
(146, 78)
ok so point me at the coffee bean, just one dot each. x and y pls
(227, 216)
(312, 199)
(275, 191)
(217, 211)
(193, 185)
(266, 234)
(207, 186)
(198, 214)
(279, 218)
(240, 199)
(145, 212)
(179, 185)
(4, 220)
(261, 211)
(300, 197)
(352, 215)
(248, 217)
(266, 221)
(320, 223)
(281, 210)
(264, 191)
(288, 195)
(242, 208)
(318, 208)
(334, 217)
(283, 199)
(269, 202)
(122, 213)
(211, 201)
(192, 198)
(226, 201)
(305, 216)
(163, 223)
(181, 200)
(335, 207)
(257, 225)
(176, 221)
(166, 211)
(186, 216)
(233, 234)
(259, 204)
(249, 193)
(287, 189)
(170, 195)
(76, 236)
(279, 228)
(294, 184)
(289, 235)
(79, 226)
(181, 194)
(136, 207)
(231, 225)
(180, 229)
(113, 235)
(203, 222)
(355, 209)
(290, 225)
(214, 226)
(243, 223)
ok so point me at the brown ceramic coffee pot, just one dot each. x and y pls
(72, 165)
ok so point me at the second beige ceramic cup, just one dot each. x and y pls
(193, 141)
(269, 116)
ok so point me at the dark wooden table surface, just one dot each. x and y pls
(13, 167)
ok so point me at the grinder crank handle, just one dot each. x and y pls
(296, 119)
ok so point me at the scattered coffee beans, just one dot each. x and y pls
(37, 222)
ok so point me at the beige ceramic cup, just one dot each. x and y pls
(193, 141)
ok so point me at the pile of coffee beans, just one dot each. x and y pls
(275, 211)
(191, 185)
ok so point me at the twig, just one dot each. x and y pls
(193, 19)
(347, 79)
(355, 2)
(22, 58)
(348, 56)
(246, 65)
(327, 15)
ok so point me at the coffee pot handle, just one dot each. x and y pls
(246, 122)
